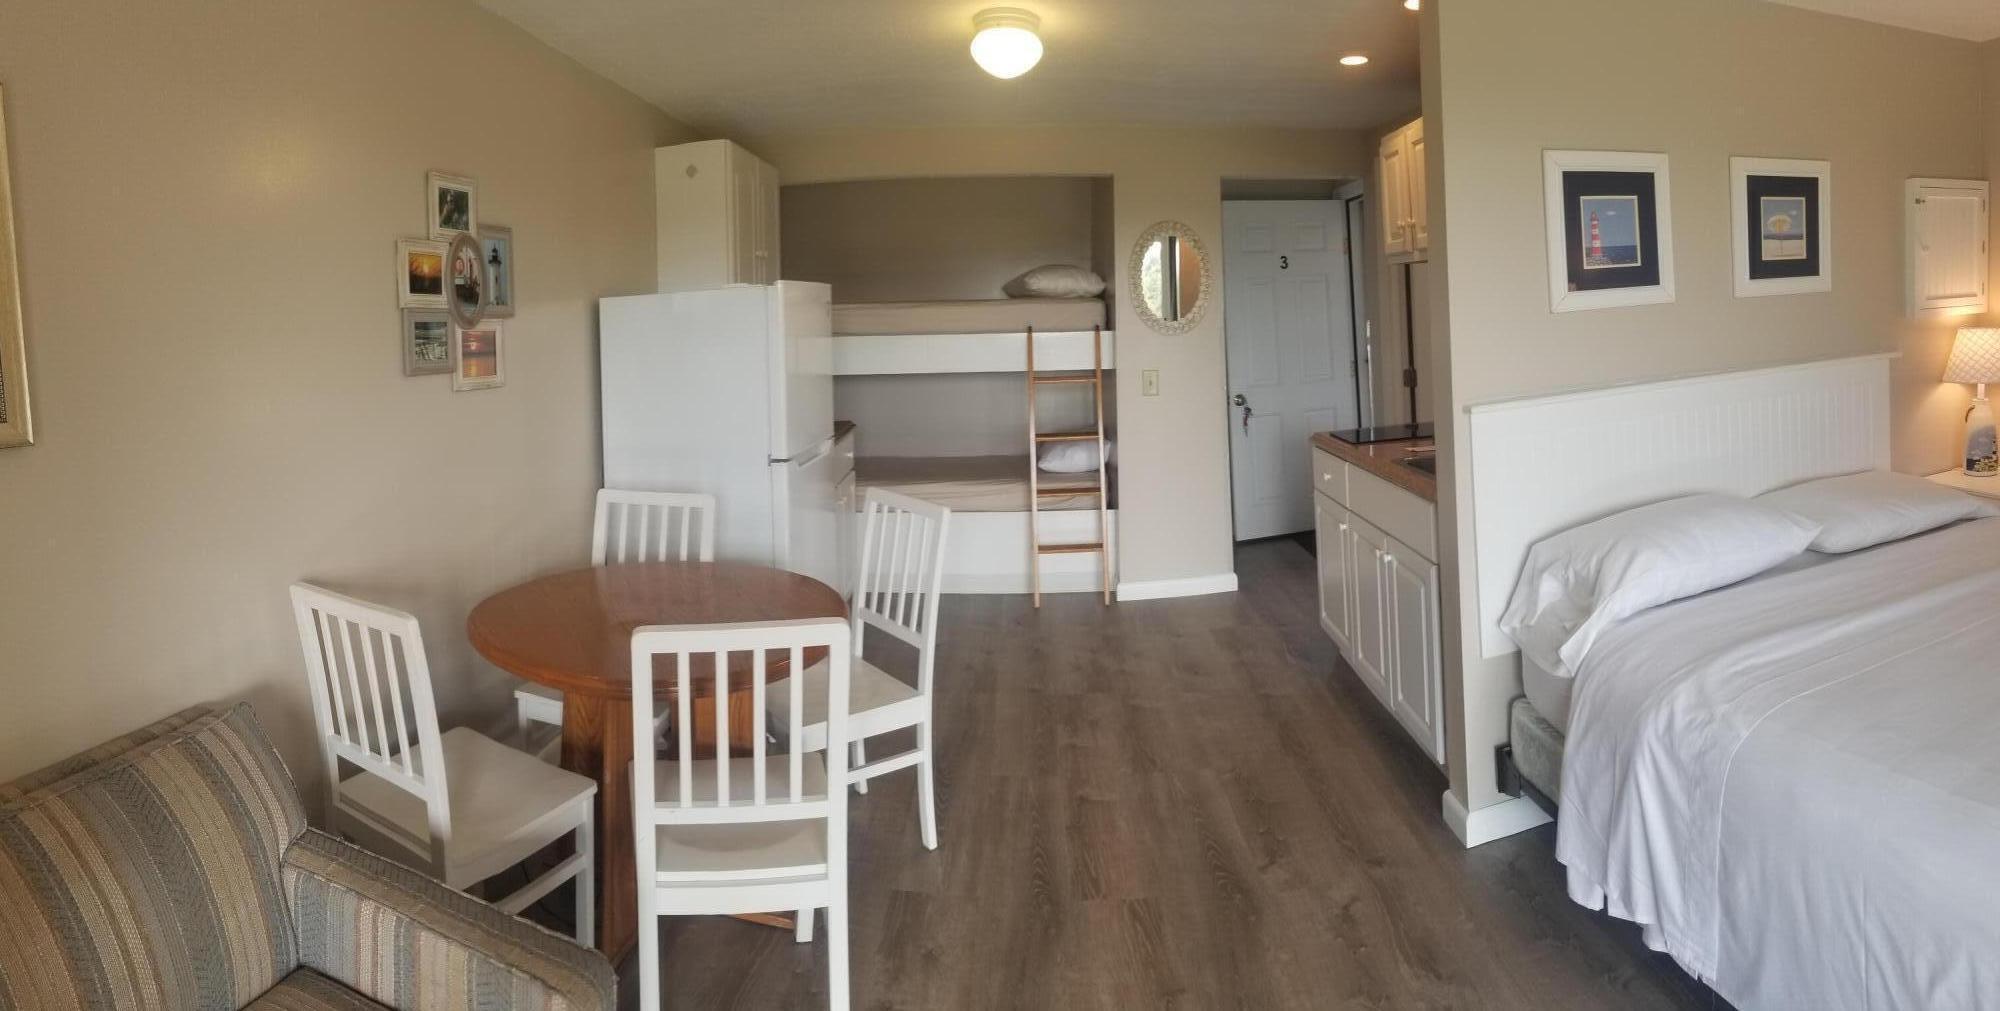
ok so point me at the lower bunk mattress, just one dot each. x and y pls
(972, 483)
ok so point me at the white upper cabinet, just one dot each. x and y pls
(1420, 211)
(1947, 253)
(1405, 208)
(718, 216)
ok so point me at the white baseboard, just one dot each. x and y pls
(1194, 586)
(1477, 828)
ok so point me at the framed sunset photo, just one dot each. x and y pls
(478, 356)
(420, 274)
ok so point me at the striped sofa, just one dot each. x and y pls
(172, 868)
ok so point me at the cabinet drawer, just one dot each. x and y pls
(1406, 517)
(1330, 475)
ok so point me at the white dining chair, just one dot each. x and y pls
(742, 829)
(463, 805)
(902, 572)
(631, 526)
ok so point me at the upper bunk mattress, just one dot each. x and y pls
(987, 315)
(972, 484)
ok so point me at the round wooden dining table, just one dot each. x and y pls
(572, 632)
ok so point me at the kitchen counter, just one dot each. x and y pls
(1379, 459)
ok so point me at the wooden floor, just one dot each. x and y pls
(1181, 803)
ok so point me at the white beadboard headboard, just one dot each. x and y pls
(1542, 464)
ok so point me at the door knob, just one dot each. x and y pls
(1243, 402)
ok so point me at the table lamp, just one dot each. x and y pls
(1975, 358)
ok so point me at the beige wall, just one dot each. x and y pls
(1707, 79)
(208, 195)
(1173, 450)
(1992, 120)
(919, 239)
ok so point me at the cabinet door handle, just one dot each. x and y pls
(1343, 528)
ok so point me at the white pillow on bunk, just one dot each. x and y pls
(1073, 457)
(1055, 280)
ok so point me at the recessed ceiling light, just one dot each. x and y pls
(1004, 42)
(1414, 5)
(1353, 60)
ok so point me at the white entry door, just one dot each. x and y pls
(1291, 353)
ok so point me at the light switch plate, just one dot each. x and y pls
(1149, 383)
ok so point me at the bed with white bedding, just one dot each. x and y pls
(1793, 783)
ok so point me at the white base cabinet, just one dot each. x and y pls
(1378, 597)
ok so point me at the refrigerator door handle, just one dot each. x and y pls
(825, 446)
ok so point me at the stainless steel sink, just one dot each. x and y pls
(1426, 463)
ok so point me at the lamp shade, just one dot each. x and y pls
(1975, 356)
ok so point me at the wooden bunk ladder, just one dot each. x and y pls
(1100, 488)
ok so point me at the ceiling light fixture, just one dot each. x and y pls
(1004, 42)
(1413, 5)
(1353, 60)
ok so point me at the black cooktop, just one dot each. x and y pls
(1385, 433)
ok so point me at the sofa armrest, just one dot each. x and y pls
(408, 941)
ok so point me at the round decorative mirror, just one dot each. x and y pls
(1170, 277)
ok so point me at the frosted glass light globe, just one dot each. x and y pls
(1005, 44)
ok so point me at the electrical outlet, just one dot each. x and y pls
(1149, 383)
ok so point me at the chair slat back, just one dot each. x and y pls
(776, 790)
(652, 526)
(902, 572)
(372, 700)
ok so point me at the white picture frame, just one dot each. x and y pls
(17, 425)
(427, 337)
(496, 244)
(1555, 165)
(1740, 171)
(420, 274)
(453, 206)
(471, 367)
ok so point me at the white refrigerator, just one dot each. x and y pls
(730, 391)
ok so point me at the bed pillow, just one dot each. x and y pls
(1073, 457)
(1579, 582)
(1856, 511)
(1055, 280)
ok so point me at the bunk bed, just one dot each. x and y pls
(974, 335)
(1005, 511)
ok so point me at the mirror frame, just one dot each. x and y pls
(1153, 319)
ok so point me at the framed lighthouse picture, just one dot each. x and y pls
(1782, 225)
(1610, 229)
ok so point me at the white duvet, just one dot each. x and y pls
(1794, 783)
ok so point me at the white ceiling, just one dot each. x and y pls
(1977, 20)
(757, 67)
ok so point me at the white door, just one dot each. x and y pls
(1290, 336)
